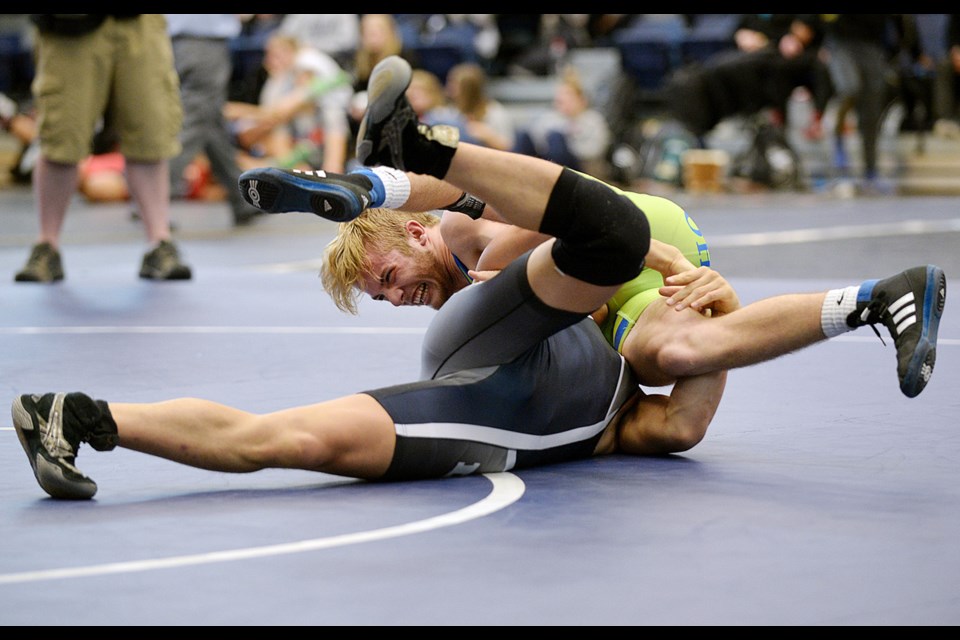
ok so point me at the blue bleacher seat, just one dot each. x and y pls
(647, 58)
(438, 57)
(650, 49)
(410, 26)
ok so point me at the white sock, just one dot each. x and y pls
(837, 305)
(396, 185)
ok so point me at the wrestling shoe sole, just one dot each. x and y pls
(920, 366)
(277, 191)
(388, 84)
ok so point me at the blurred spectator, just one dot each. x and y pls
(952, 119)
(260, 24)
(487, 121)
(335, 34)
(302, 119)
(919, 60)
(260, 134)
(380, 37)
(519, 35)
(429, 100)
(119, 68)
(948, 124)
(102, 179)
(485, 35)
(432, 104)
(541, 49)
(759, 30)
(572, 133)
(279, 79)
(247, 53)
(21, 124)
(744, 83)
(475, 34)
(857, 50)
(201, 52)
(101, 175)
(602, 27)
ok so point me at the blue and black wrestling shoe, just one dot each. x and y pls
(909, 305)
(333, 196)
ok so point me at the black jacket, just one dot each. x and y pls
(742, 84)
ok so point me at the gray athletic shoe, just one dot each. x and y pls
(163, 263)
(50, 447)
(43, 265)
(389, 132)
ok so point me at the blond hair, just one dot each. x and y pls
(364, 59)
(570, 77)
(346, 259)
(431, 86)
(471, 82)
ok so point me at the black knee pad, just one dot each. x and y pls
(602, 237)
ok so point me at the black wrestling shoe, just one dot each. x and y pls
(51, 445)
(390, 133)
(334, 196)
(909, 305)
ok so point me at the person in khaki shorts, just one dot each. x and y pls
(116, 69)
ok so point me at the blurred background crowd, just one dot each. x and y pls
(786, 99)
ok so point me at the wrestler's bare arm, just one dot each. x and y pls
(661, 424)
(485, 244)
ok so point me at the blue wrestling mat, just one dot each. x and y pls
(820, 495)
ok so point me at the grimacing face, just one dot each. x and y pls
(415, 279)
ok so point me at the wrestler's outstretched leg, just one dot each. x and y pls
(909, 304)
(351, 436)
(341, 197)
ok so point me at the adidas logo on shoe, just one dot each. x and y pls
(910, 305)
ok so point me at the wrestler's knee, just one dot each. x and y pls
(685, 349)
(606, 247)
(677, 358)
(269, 443)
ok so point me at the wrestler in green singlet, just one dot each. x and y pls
(669, 224)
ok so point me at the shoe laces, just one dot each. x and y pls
(877, 311)
(53, 438)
